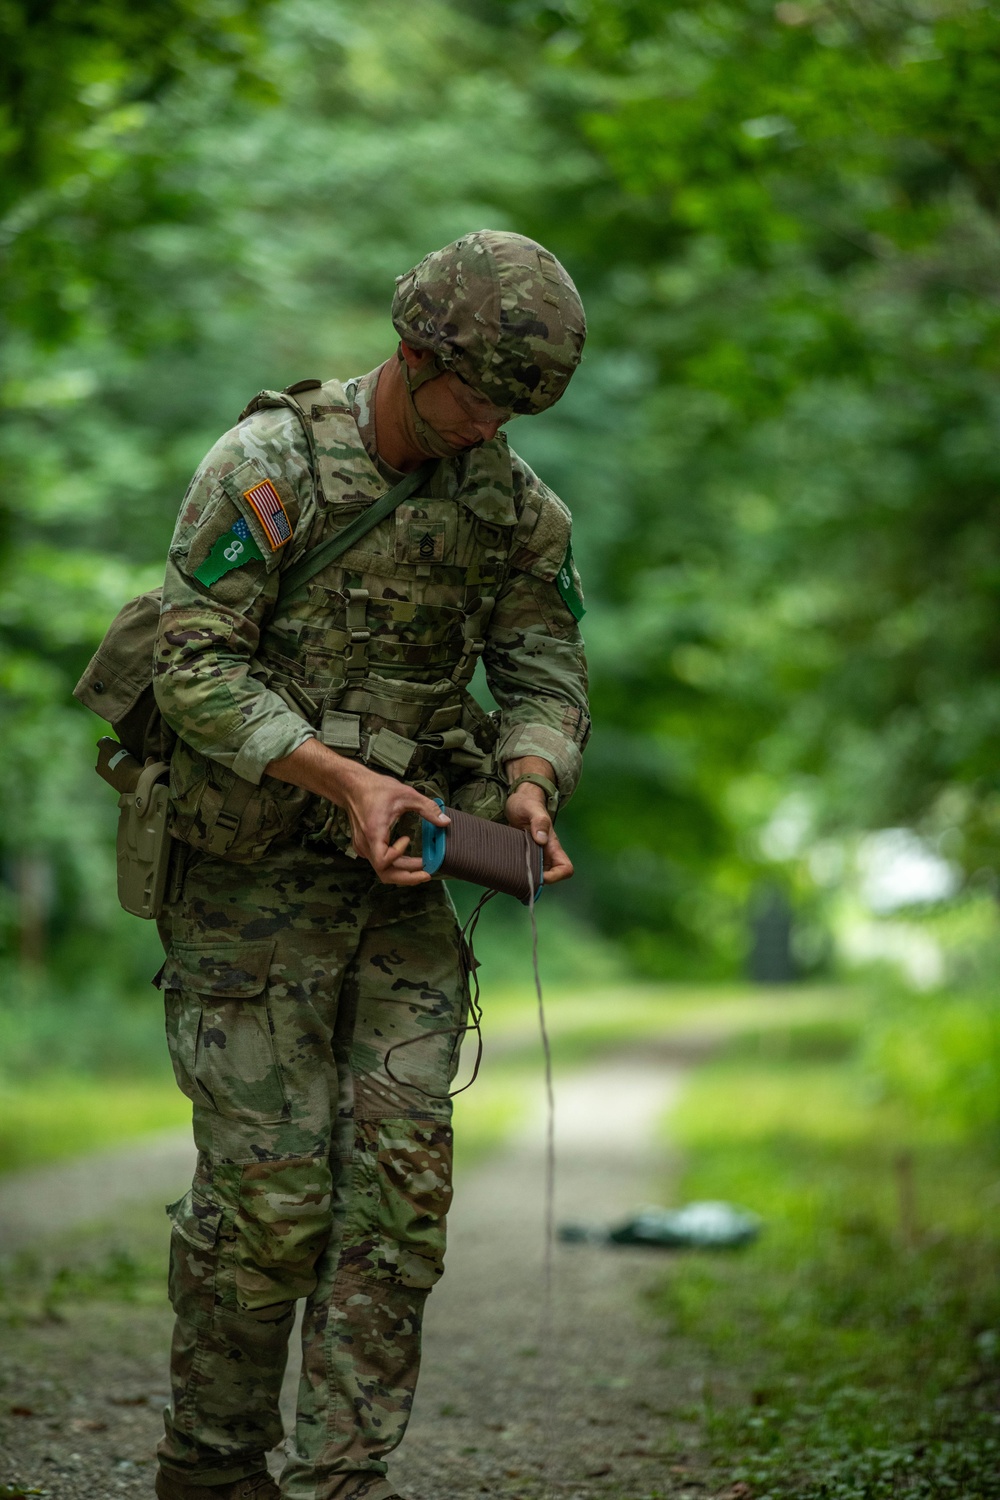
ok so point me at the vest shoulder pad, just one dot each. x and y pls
(543, 530)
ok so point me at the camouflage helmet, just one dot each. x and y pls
(501, 312)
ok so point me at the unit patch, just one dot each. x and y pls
(270, 512)
(568, 585)
(232, 550)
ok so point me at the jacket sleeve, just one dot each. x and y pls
(534, 657)
(209, 632)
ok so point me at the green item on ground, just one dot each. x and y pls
(696, 1226)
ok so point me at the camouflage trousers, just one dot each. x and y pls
(318, 1176)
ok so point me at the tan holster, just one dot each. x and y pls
(143, 843)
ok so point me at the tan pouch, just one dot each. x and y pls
(143, 844)
(216, 811)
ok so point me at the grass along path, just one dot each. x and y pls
(853, 1353)
(50, 1116)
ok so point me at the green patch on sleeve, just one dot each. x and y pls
(232, 550)
(568, 586)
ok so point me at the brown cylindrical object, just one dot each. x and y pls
(117, 766)
(492, 854)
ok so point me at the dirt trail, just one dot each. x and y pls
(37, 1204)
(484, 1420)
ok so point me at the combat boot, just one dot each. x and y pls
(259, 1486)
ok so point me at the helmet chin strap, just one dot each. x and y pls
(426, 437)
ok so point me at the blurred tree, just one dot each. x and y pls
(780, 449)
(79, 83)
(804, 202)
(84, 178)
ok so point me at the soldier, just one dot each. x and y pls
(303, 939)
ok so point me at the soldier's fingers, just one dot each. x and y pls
(417, 802)
(558, 865)
(541, 827)
(383, 853)
(393, 875)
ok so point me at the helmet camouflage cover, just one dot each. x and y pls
(501, 312)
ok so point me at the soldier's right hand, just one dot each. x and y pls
(374, 804)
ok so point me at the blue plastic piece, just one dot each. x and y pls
(432, 842)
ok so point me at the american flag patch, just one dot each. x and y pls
(270, 512)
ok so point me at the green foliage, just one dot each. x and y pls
(779, 450)
(79, 88)
(940, 1053)
(61, 1115)
(852, 1351)
(820, 311)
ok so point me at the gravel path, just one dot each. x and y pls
(47, 1201)
(501, 1410)
(498, 1410)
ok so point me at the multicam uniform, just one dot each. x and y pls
(290, 969)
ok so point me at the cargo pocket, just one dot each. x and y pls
(220, 1029)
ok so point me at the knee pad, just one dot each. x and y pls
(401, 1193)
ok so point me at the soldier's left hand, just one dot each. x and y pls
(526, 809)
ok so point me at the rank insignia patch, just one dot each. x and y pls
(270, 513)
(232, 550)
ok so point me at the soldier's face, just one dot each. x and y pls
(454, 410)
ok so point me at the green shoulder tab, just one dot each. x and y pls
(569, 588)
(232, 550)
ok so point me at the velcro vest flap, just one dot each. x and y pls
(346, 474)
(488, 486)
(122, 666)
(542, 536)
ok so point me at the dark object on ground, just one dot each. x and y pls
(696, 1226)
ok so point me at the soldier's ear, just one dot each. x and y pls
(417, 359)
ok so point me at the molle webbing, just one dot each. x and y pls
(327, 552)
(419, 715)
(358, 636)
(474, 642)
(226, 825)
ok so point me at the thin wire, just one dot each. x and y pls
(547, 1320)
(475, 1010)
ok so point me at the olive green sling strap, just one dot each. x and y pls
(309, 565)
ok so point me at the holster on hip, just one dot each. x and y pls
(143, 841)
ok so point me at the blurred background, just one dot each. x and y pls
(781, 453)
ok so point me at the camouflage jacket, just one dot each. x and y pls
(374, 653)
